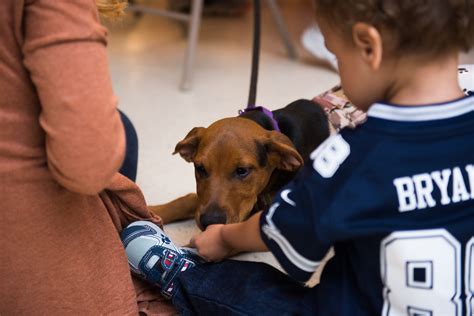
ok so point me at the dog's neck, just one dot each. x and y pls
(262, 116)
(264, 201)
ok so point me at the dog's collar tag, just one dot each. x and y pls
(265, 111)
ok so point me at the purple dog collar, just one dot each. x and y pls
(265, 111)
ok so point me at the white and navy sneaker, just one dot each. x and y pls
(154, 257)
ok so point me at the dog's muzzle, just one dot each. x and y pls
(211, 217)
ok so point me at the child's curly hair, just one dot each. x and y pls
(429, 27)
(111, 8)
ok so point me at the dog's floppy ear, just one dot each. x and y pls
(188, 146)
(282, 153)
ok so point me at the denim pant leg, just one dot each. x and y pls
(130, 163)
(237, 288)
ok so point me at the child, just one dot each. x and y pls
(394, 197)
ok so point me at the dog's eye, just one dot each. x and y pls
(242, 172)
(200, 170)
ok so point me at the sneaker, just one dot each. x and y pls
(313, 42)
(154, 257)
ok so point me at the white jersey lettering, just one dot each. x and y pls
(416, 192)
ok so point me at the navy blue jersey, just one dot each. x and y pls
(395, 198)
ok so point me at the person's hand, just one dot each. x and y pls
(210, 244)
(221, 241)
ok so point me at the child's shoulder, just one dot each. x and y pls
(343, 153)
(339, 166)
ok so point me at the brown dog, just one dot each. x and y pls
(241, 163)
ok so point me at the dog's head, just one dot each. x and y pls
(234, 159)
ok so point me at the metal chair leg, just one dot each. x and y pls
(282, 29)
(193, 35)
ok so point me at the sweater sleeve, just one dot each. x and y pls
(65, 52)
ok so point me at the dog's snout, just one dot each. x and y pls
(215, 216)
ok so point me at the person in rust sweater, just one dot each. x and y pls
(62, 201)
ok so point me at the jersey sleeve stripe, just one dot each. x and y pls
(291, 254)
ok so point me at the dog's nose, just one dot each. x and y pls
(212, 217)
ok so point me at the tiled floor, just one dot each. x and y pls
(146, 57)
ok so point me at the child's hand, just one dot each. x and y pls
(210, 244)
(220, 241)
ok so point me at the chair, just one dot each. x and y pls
(193, 19)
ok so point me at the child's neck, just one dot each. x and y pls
(418, 84)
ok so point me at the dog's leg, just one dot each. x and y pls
(179, 209)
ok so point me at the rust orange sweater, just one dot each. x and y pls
(62, 202)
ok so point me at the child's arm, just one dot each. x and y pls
(220, 241)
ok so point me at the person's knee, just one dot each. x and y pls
(130, 163)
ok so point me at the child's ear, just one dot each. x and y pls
(368, 41)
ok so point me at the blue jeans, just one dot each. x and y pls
(130, 163)
(238, 288)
